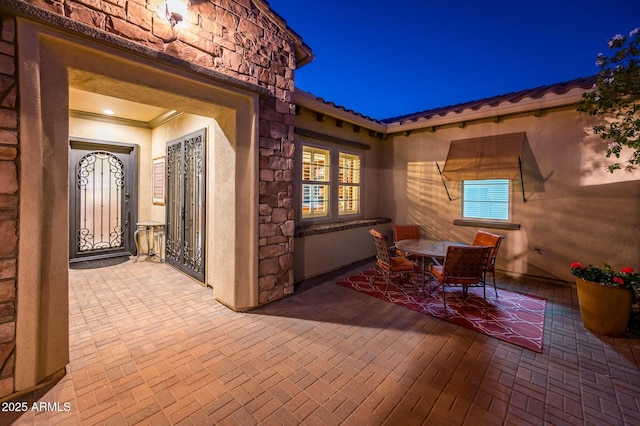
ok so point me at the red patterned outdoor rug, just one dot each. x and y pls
(513, 317)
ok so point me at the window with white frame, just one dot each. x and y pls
(485, 199)
(348, 184)
(315, 182)
(328, 191)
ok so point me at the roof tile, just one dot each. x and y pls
(494, 101)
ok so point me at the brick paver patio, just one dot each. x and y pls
(151, 346)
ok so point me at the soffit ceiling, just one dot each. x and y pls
(95, 104)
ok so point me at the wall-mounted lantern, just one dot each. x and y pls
(176, 10)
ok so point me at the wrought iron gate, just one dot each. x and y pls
(185, 243)
(101, 178)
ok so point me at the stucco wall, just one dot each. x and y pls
(307, 119)
(579, 212)
(322, 253)
(317, 254)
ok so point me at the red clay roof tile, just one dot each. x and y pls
(514, 97)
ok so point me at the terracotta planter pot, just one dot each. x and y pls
(604, 310)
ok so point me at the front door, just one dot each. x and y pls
(102, 208)
(185, 244)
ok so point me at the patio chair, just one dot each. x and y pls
(390, 265)
(463, 267)
(488, 239)
(406, 232)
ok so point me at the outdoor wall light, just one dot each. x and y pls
(176, 10)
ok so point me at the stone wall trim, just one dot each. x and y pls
(325, 228)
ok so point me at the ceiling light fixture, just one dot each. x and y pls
(108, 111)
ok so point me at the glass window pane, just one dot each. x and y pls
(348, 173)
(486, 199)
(348, 199)
(349, 168)
(315, 200)
(315, 164)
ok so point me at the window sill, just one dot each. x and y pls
(325, 228)
(486, 224)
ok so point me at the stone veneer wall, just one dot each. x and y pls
(277, 224)
(9, 194)
(237, 39)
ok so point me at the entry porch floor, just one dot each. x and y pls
(151, 346)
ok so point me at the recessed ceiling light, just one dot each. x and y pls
(108, 111)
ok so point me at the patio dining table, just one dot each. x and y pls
(426, 249)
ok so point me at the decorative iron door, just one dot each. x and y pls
(185, 243)
(101, 178)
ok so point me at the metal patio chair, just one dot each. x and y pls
(391, 265)
(487, 239)
(406, 232)
(464, 266)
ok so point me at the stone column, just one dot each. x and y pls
(276, 199)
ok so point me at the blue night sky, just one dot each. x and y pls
(384, 59)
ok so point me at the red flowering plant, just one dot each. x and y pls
(606, 275)
(624, 278)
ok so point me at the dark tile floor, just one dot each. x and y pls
(151, 346)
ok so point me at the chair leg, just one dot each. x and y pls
(486, 305)
(423, 280)
(386, 289)
(431, 279)
(444, 300)
(415, 282)
(494, 282)
(405, 282)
